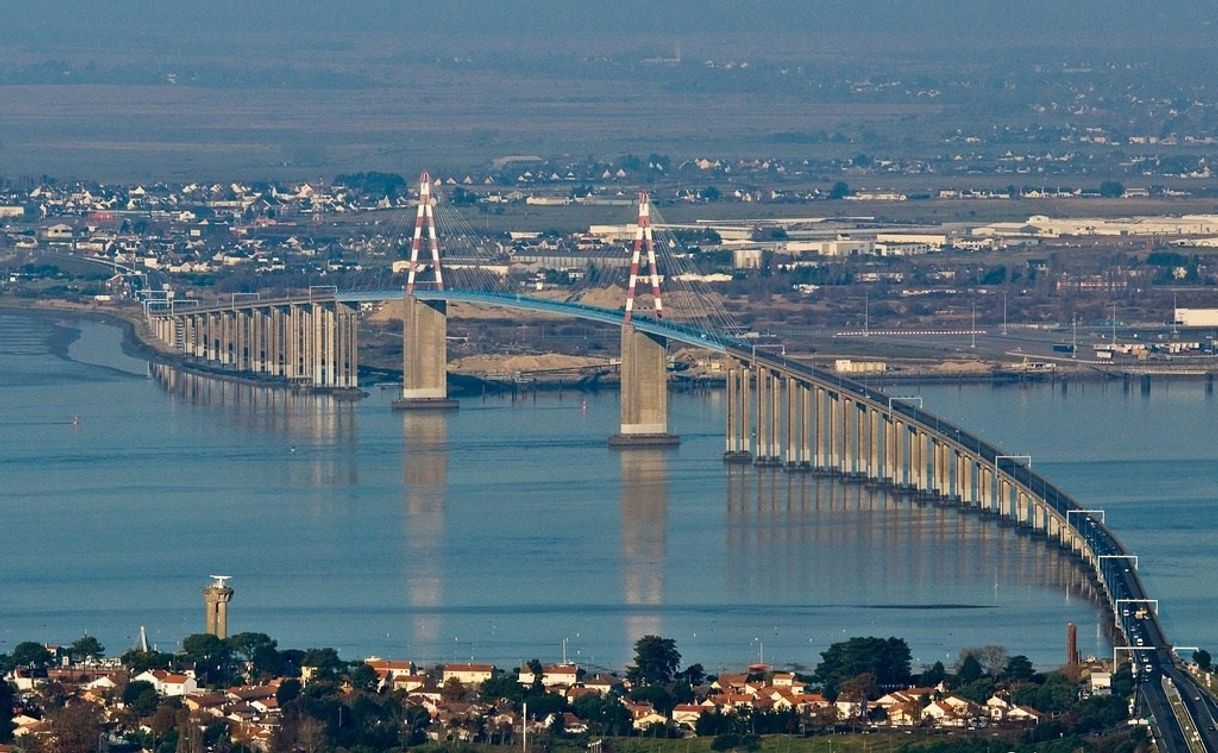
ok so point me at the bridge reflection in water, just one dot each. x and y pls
(425, 479)
(848, 542)
(786, 538)
(644, 555)
(320, 433)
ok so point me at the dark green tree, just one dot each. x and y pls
(287, 692)
(259, 652)
(363, 677)
(657, 695)
(6, 712)
(1203, 659)
(502, 686)
(30, 654)
(1018, 669)
(840, 190)
(140, 697)
(655, 660)
(1111, 189)
(885, 659)
(970, 671)
(86, 646)
(209, 655)
(142, 661)
(933, 675)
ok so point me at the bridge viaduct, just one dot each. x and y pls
(779, 412)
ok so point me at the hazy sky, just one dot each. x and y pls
(930, 22)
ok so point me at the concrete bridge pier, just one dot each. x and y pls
(644, 393)
(737, 447)
(425, 356)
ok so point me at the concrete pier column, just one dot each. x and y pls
(875, 439)
(968, 491)
(226, 338)
(891, 431)
(731, 420)
(1022, 509)
(274, 341)
(775, 417)
(791, 395)
(834, 429)
(805, 425)
(746, 417)
(352, 341)
(736, 448)
(644, 393)
(291, 341)
(854, 437)
(763, 417)
(425, 357)
(821, 460)
(926, 462)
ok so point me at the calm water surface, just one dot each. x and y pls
(501, 529)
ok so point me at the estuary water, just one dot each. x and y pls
(505, 529)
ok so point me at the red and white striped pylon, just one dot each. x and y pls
(426, 211)
(643, 236)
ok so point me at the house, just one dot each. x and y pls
(552, 676)
(643, 715)
(389, 671)
(997, 708)
(907, 714)
(468, 673)
(169, 684)
(1024, 715)
(688, 714)
(942, 714)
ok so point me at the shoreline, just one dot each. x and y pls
(138, 342)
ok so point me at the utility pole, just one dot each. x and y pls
(1114, 322)
(866, 315)
(1004, 313)
(1074, 335)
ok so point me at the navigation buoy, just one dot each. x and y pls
(76, 420)
(583, 405)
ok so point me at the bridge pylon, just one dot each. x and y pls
(644, 370)
(424, 323)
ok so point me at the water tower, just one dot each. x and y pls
(215, 602)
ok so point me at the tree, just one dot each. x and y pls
(140, 697)
(6, 712)
(86, 646)
(710, 193)
(970, 670)
(694, 674)
(77, 728)
(363, 677)
(142, 661)
(287, 692)
(885, 659)
(933, 675)
(840, 190)
(501, 686)
(1111, 189)
(1202, 657)
(30, 654)
(210, 656)
(655, 660)
(452, 690)
(1018, 668)
(259, 652)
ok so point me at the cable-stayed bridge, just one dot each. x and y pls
(779, 413)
